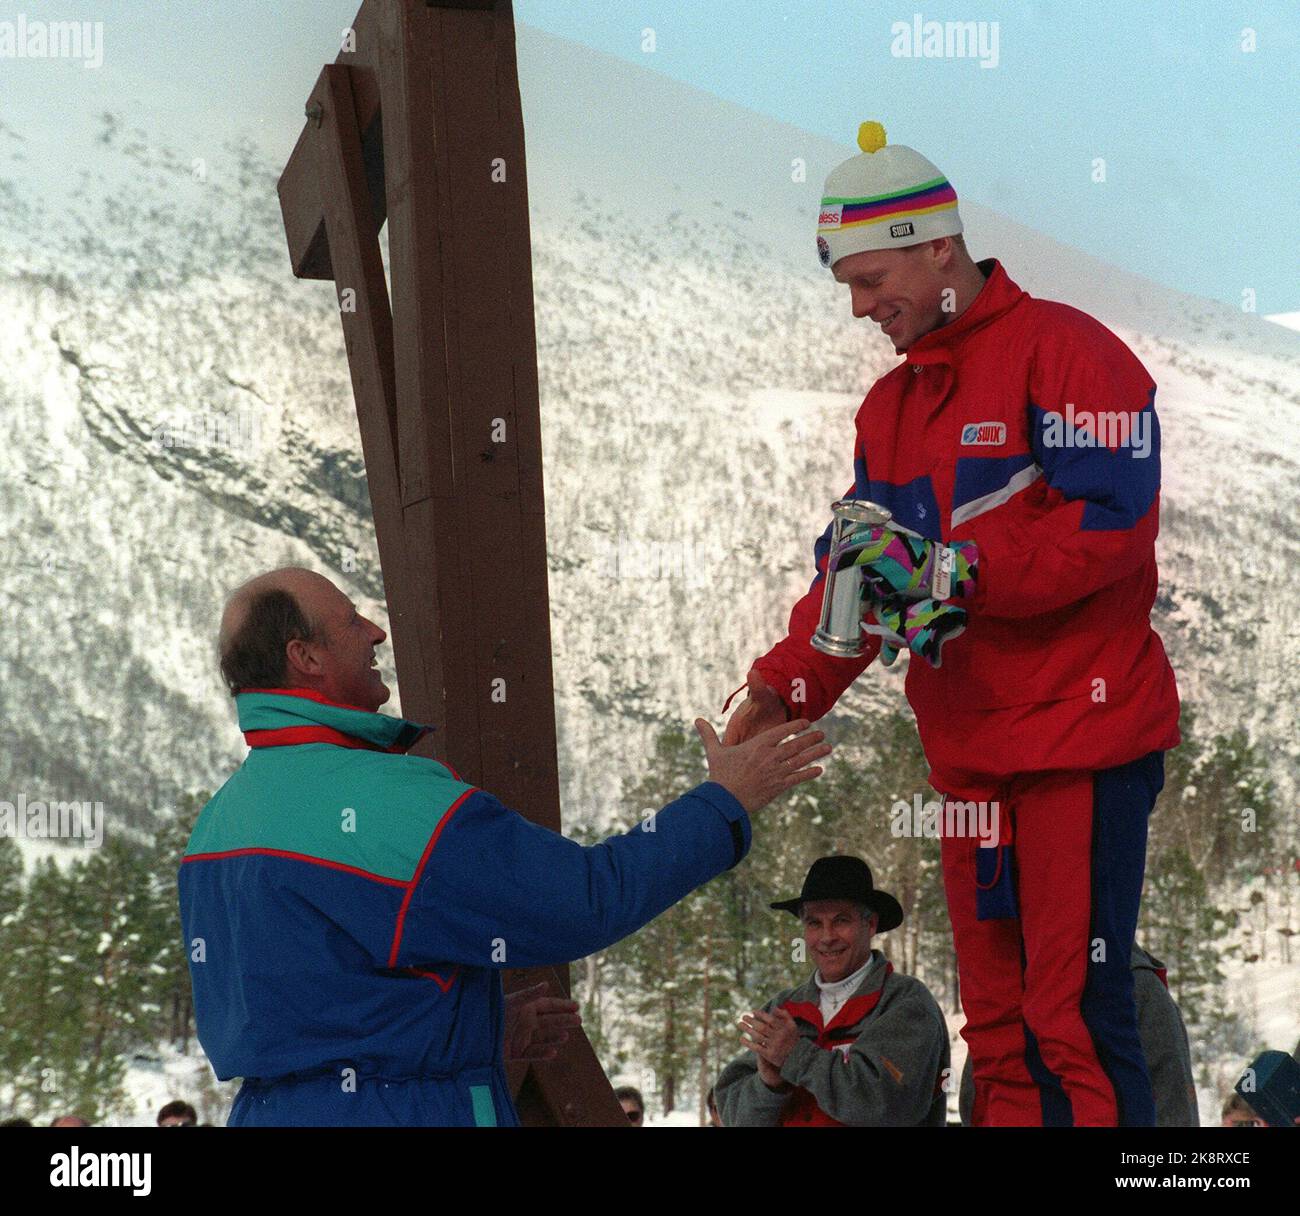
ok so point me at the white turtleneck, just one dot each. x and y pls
(833, 995)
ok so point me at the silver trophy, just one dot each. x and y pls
(840, 631)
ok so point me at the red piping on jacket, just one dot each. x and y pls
(287, 736)
(444, 984)
(415, 878)
(315, 861)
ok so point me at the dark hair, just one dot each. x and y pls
(1234, 1103)
(623, 1092)
(253, 655)
(184, 1109)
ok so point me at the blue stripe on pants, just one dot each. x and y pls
(1122, 801)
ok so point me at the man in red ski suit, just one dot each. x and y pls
(1017, 445)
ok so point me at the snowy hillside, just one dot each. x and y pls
(180, 417)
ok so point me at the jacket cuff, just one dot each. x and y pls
(763, 1101)
(799, 1060)
(728, 806)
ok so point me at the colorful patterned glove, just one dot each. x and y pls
(921, 626)
(897, 562)
(886, 620)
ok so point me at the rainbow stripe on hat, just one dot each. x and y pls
(925, 199)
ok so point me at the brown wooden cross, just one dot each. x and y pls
(419, 122)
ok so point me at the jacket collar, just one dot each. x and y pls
(804, 1003)
(283, 717)
(997, 296)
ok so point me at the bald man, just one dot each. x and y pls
(348, 907)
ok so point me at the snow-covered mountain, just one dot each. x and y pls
(179, 417)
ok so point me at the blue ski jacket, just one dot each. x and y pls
(347, 909)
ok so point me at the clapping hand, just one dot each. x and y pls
(771, 1037)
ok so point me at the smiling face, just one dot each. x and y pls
(901, 290)
(838, 935)
(340, 663)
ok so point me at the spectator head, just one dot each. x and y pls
(293, 628)
(69, 1121)
(841, 910)
(838, 935)
(1237, 1112)
(629, 1098)
(16, 1121)
(178, 1114)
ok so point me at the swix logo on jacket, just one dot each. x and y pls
(347, 909)
(984, 433)
(1030, 428)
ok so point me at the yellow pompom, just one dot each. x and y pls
(871, 137)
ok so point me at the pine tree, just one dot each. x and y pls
(167, 997)
(1180, 924)
(105, 889)
(1217, 807)
(1213, 827)
(93, 969)
(43, 1023)
(14, 1052)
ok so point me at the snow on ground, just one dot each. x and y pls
(154, 1079)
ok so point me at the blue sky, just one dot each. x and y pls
(1200, 138)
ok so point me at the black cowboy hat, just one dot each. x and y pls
(845, 878)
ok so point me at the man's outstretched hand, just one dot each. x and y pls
(760, 710)
(537, 1024)
(762, 767)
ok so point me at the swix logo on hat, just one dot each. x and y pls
(901, 229)
(983, 434)
(830, 216)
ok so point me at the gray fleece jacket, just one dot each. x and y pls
(882, 1062)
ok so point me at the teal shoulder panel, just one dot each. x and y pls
(369, 811)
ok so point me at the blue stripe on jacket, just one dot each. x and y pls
(1118, 485)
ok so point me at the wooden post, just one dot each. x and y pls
(419, 123)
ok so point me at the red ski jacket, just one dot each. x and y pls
(1026, 426)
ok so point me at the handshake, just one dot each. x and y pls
(908, 582)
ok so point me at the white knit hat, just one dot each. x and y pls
(887, 198)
